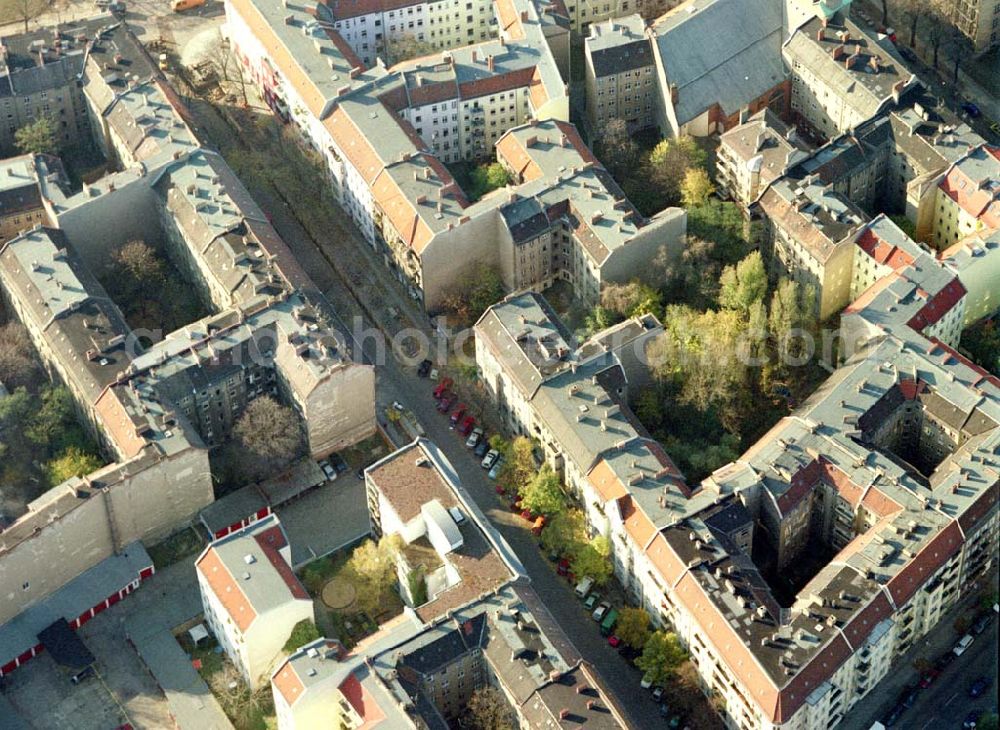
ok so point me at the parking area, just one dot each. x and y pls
(43, 697)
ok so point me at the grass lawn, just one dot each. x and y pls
(184, 544)
(349, 626)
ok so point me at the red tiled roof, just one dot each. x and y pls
(932, 556)
(811, 676)
(880, 503)
(841, 482)
(287, 682)
(497, 83)
(859, 627)
(226, 589)
(970, 197)
(980, 508)
(363, 703)
(271, 541)
(799, 485)
(938, 305)
(882, 251)
(967, 362)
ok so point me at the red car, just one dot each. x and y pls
(447, 400)
(467, 423)
(563, 567)
(614, 641)
(442, 388)
(457, 415)
(928, 677)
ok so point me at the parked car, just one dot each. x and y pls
(563, 567)
(591, 600)
(980, 626)
(647, 681)
(181, 5)
(628, 653)
(328, 469)
(474, 438)
(972, 719)
(447, 401)
(928, 677)
(601, 611)
(608, 624)
(442, 387)
(424, 368)
(909, 697)
(657, 693)
(481, 448)
(495, 470)
(971, 109)
(664, 710)
(466, 425)
(944, 660)
(397, 406)
(962, 645)
(458, 414)
(894, 714)
(979, 687)
(338, 463)
(490, 459)
(584, 586)
(614, 642)
(907, 54)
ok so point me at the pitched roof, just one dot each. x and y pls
(725, 52)
(248, 574)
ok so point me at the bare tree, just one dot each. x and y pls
(912, 9)
(17, 358)
(228, 70)
(404, 48)
(22, 10)
(488, 710)
(270, 432)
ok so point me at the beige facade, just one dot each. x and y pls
(979, 20)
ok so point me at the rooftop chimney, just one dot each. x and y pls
(489, 62)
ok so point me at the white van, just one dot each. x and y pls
(584, 586)
(962, 645)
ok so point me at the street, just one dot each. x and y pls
(946, 702)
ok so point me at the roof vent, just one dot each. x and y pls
(249, 559)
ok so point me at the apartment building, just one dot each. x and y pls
(880, 471)
(841, 76)
(385, 30)
(975, 260)
(386, 133)
(967, 197)
(38, 79)
(251, 597)
(718, 62)
(809, 236)
(176, 193)
(27, 185)
(620, 76)
(480, 624)
(754, 154)
(584, 13)
(414, 493)
(979, 20)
